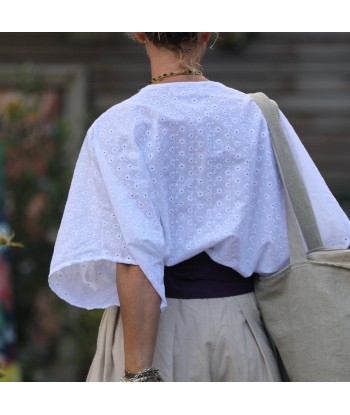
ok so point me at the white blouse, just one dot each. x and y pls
(175, 170)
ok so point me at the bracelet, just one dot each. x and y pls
(146, 375)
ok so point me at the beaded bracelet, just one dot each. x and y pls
(146, 375)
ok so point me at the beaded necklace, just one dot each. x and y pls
(170, 74)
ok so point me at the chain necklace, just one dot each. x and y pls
(170, 74)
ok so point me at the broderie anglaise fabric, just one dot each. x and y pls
(175, 170)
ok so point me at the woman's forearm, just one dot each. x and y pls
(140, 311)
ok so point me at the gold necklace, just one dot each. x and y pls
(170, 74)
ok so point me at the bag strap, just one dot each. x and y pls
(294, 186)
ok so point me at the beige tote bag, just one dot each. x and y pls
(306, 306)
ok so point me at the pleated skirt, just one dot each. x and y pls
(199, 340)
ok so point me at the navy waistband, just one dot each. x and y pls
(201, 277)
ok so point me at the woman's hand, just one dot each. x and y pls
(140, 311)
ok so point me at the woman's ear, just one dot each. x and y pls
(205, 36)
(139, 36)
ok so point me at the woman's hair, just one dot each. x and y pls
(176, 41)
(185, 44)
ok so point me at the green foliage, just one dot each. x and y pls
(55, 340)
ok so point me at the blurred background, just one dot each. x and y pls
(53, 86)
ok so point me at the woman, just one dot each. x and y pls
(175, 204)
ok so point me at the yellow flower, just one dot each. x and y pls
(7, 240)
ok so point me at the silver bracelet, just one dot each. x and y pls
(147, 375)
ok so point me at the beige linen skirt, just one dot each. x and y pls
(200, 340)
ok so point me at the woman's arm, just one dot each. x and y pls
(140, 311)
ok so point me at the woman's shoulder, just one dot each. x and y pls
(152, 98)
(120, 113)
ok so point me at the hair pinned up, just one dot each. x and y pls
(173, 40)
(184, 44)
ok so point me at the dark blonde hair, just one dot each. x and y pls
(176, 41)
(181, 43)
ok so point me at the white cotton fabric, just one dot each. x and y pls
(175, 170)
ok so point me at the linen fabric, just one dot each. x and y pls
(179, 169)
(199, 340)
(306, 306)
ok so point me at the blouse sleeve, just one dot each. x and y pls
(111, 216)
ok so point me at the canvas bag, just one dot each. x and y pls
(305, 306)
